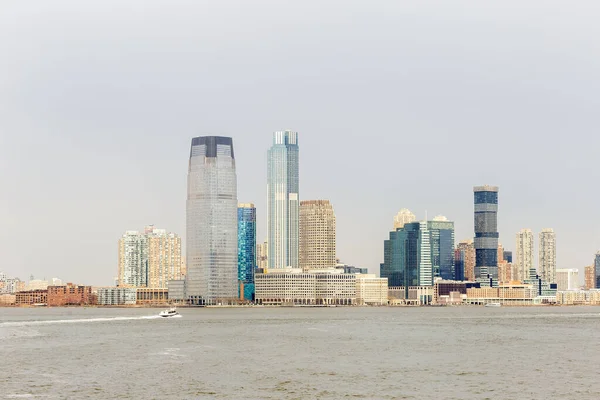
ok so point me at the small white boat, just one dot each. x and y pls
(493, 305)
(171, 312)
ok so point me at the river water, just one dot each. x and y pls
(301, 353)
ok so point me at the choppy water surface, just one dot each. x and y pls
(301, 353)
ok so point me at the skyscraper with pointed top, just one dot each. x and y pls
(211, 222)
(283, 204)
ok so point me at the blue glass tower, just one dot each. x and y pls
(407, 256)
(246, 248)
(442, 248)
(486, 231)
(283, 206)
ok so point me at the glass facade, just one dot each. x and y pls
(282, 201)
(407, 256)
(246, 215)
(442, 249)
(211, 222)
(486, 231)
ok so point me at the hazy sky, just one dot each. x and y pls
(397, 104)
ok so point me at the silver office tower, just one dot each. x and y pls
(486, 231)
(282, 203)
(212, 253)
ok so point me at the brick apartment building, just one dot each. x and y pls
(69, 295)
(31, 297)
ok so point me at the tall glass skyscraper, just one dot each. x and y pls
(246, 248)
(212, 253)
(486, 231)
(282, 201)
(442, 248)
(407, 256)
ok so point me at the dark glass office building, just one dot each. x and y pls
(407, 256)
(486, 231)
(441, 233)
(246, 249)
(507, 256)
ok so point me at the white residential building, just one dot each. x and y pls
(567, 279)
(524, 247)
(117, 296)
(547, 260)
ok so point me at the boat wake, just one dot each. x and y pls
(75, 321)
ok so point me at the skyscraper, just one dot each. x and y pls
(246, 248)
(149, 259)
(465, 260)
(211, 219)
(524, 248)
(317, 234)
(486, 231)
(441, 240)
(547, 259)
(133, 259)
(404, 216)
(407, 256)
(282, 202)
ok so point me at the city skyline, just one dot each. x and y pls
(93, 144)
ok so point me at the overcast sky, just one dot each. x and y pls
(397, 104)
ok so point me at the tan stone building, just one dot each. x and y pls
(468, 248)
(317, 234)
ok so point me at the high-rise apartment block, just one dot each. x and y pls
(149, 259)
(317, 234)
(590, 277)
(211, 222)
(524, 247)
(465, 260)
(282, 200)
(486, 231)
(547, 259)
(403, 217)
(133, 259)
(164, 257)
(246, 249)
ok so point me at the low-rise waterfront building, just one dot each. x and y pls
(31, 297)
(578, 297)
(292, 286)
(371, 290)
(152, 296)
(413, 295)
(7, 299)
(117, 296)
(70, 294)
